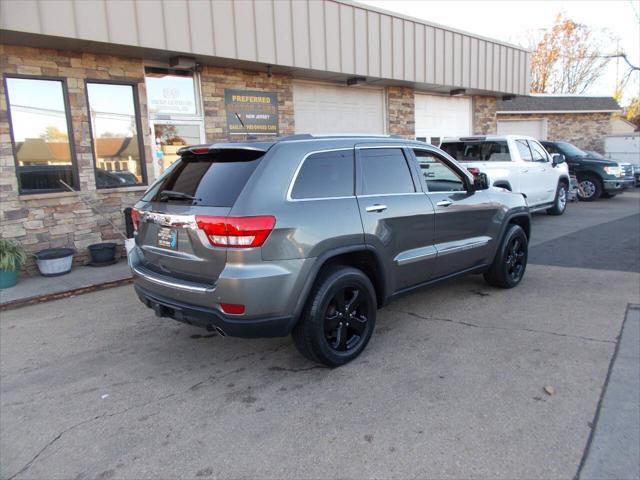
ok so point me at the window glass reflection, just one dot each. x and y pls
(115, 135)
(170, 138)
(170, 93)
(41, 134)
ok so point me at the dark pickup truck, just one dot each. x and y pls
(597, 176)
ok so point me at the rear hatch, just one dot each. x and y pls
(200, 187)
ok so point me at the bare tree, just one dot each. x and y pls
(568, 58)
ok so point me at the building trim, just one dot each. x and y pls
(547, 112)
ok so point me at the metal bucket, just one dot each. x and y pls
(54, 261)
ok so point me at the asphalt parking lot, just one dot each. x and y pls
(451, 385)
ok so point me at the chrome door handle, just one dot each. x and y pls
(376, 208)
(444, 203)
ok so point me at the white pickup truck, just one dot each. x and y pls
(517, 163)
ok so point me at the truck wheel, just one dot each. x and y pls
(339, 317)
(510, 261)
(560, 202)
(589, 188)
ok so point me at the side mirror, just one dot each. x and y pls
(480, 181)
(557, 159)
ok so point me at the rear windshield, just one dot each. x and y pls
(212, 180)
(475, 151)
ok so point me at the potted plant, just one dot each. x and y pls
(12, 256)
(54, 261)
(102, 254)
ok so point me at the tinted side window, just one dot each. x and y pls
(478, 151)
(539, 153)
(325, 175)
(523, 148)
(385, 170)
(551, 148)
(438, 176)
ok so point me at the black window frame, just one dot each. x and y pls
(72, 143)
(308, 156)
(360, 174)
(136, 107)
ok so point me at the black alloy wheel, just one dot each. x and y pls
(346, 318)
(516, 259)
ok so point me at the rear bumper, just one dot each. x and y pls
(214, 319)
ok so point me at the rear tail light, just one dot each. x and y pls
(474, 171)
(200, 150)
(236, 232)
(135, 219)
(232, 308)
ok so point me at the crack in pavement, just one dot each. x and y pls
(490, 327)
(196, 386)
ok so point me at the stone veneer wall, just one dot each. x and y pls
(584, 130)
(47, 220)
(401, 112)
(214, 81)
(484, 115)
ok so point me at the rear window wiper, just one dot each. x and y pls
(167, 194)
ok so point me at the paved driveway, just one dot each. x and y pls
(451, 385)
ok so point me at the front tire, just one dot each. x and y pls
(339, 317)
(560, 202)
(510, 262)
(589, 188)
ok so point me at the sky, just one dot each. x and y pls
(515, 21)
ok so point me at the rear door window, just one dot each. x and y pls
(325, 175)
(385, 171)
(478, 151)
(214, 180)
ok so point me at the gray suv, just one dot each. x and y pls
(311, 235)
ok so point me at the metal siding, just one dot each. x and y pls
(419, 52)
(386, 53)
(283, 32)
(495, 77)
(332, 35)
(457, 60)
(503, 69)
(474, 78)
(20, 15)
(316, 34)
(509, 71)
(57, 18)
(361, 41)
(176, 25)
(121, 18)
(467, 64)
(397, 53)
(150, 16)
(201, 29)
(347, 53)
(430, 54)
(482, 65)
(449, 56)
(96, 29)
(409, 51)
(439, 56)
(300, 26)
(527, 73)
(373, 29)
(223, 28)
(245, 31)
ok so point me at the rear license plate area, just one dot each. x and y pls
(167, 238)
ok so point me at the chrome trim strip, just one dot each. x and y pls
(368, 195)
(169, 220)
(299, 167)
(415, 255)
(171, 253)
(455, 247)
(188, 287)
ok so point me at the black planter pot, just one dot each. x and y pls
(102, 254)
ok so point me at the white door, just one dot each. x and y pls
(337, 109)
(530, 128)
(442, 116)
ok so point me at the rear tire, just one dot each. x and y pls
(589, 187)
(510, 262)
(560, 202)
(339, 317)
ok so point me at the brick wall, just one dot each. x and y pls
(401, 112)
(215, 80)
(484, 115)
(584, 130)
(62, 219)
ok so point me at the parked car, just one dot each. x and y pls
(597, 176)
(311, 235)
(625, 148)
(516, 163)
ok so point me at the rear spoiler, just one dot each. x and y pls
(204, 149)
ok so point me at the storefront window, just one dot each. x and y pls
(170, 137)
(116, 143)
(171, 92)
(42, 142)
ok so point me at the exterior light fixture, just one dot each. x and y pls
(457, 91)
(508, 97)
(355, 80)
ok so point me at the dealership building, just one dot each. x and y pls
(97, 96)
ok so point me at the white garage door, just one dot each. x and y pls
(532, 128)
(440, 116)
(334, 109)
